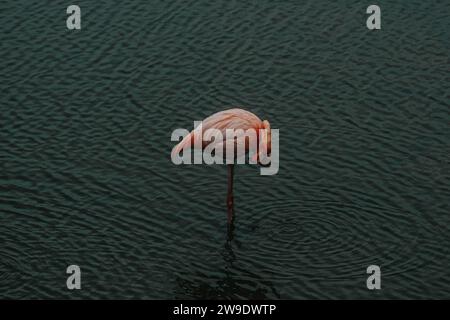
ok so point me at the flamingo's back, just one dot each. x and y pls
(228, 119)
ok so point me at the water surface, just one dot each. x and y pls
(85, 171)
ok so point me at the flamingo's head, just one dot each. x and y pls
(267, 137)
(265, 143)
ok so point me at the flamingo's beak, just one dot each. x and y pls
(255, 158)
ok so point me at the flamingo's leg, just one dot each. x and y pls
(230, 200)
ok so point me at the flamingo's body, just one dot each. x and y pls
(228, 119)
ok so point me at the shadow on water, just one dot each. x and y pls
(230, 224)
(235, 282)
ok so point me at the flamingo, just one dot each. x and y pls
(230, 119)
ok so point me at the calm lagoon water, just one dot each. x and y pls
(85, 171)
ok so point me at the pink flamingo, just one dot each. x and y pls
(230, 119)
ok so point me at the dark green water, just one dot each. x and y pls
(85, 171)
